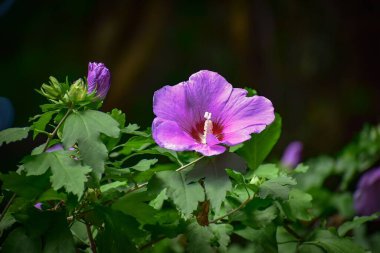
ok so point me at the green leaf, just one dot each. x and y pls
(199, 238)
(13, 134)
(29, 187)
(41, 123)
(144, 164)
(66, 172)
(301, 168)
(259, 217)
(268, 171)
(276, 187)
(111, 186)
(298, 205)
(136, 143)
(85, 128)
(51, 228)
(184, 195)
(222, 235)
(264, 239)
(58, 237)
(132, 129)
(119, 116)
(136, 204)
(148, 174)
(216, 180)
(259, 146)
(356, 222)
(237, 176)
(121, 232)
(159, 200)
(333, 244)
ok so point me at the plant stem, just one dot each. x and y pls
(90, 237)
(190, 163)
(292, 232)
(232, 211)
(7, 206)
(51, 136)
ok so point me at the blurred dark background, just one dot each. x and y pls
(317, 60)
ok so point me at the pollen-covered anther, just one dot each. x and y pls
(207, 128)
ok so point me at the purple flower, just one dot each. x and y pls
(366, 196)
(292, 155)
(206, 113)
(98, 79)
(38, 205)
(55, 147)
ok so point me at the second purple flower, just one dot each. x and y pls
(206, 113)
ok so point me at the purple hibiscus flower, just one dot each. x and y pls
(366, 196)
(206, 113)
(292, 155)
(98, 79)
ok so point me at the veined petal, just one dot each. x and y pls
(207, 91)
(235, 138)
(169, 135)
(169, 103)
(252, 114)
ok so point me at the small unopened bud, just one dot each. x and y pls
(98, 79)
(77, 91)
(255, 180)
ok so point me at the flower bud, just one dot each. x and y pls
(98, 79)
(77, 91)
(53, 90)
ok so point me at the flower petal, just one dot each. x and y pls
(169, 135)
(252, 114)
(207, 91)
(187, 102)
(235, 138)
(207, 150)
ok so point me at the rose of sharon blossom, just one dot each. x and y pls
(98, 79)
(292, 155)
(366, 196)
(206, 114)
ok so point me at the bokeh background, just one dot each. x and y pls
(317, 60)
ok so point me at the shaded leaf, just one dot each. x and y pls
(264, 239)
(136, 204)
(276, 187)
(29, 187)
(18, 241)
(216, 180)
(66, 172)
(13, 134)
(184, 195)
(356, 222)
(85, 128)
(298, 205)
(136, 143)
(199, 238)
(144, 164)
(41, 123)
